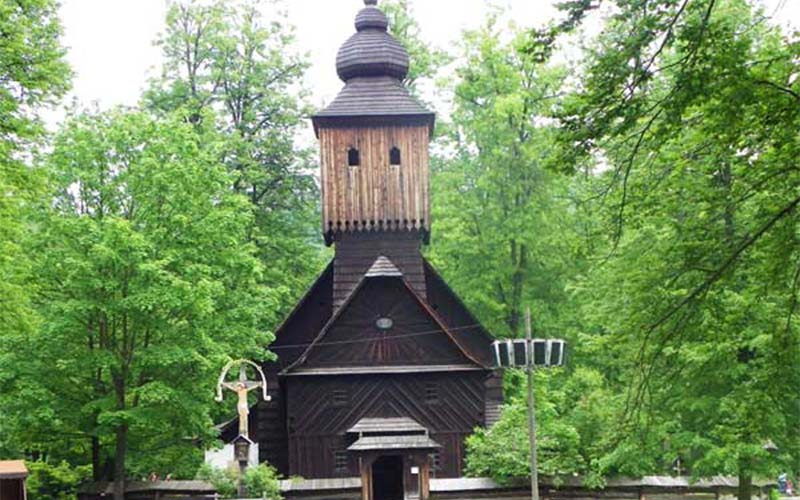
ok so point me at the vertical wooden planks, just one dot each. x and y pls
(375, 195)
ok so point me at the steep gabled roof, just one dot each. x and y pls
(457, 315)
(383, 268)
(314, 313)
(306, 319)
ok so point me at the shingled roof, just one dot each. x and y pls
(371, 443)
(315, 311)
(13, 469)
(373, 64)
(387, 425)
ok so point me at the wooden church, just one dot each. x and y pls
(382, 371)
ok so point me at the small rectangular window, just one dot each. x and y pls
(340, 397)
(394, 156)
(432, 393)
(340, 461)
(353, 157)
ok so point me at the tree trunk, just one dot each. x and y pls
(97, 467)
(122, 441)
(119, 462)
(745, 485)
(519, 261)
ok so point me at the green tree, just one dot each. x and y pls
(426, 60)
(263, 481)
(224, 56)
(692, 108)
(497, 207)
(55, 482)
(147, 284)
(33, 74)
(573, 409)
(508, 234)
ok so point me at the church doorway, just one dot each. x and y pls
(387, 478)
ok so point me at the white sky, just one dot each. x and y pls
(111, 41)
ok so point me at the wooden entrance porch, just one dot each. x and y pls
(393, 458)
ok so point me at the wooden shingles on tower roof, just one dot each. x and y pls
(373, 65)
(374, 101)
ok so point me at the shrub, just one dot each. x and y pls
(263, 481)
(259, 482)
(55, 482)
(224, 480)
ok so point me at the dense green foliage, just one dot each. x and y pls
(227, 58)
(32, 74)
(643, 203)
(59, 481)
(263, 482)
(146, 247)
(498, 210)
(146, 285)
(571, 413)
(679, 151)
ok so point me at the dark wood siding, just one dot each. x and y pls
(355, 254)
(268, 422)
(354, 339)
(272, 437)
(317, 423)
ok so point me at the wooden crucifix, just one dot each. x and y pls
(242, 387)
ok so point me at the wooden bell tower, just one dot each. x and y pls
(382, 372)
(374, 140)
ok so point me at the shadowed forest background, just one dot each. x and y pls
(640, 195)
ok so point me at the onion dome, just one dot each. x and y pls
(373, 65)
(372, 51)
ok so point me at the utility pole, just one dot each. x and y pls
(531, 415)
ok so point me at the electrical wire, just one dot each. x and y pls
(358, 341)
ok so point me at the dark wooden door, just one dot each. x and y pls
(387, 478)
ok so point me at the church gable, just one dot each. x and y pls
(384, 324)
(466, 328)
(304, 322)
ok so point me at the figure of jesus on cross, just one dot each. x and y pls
(242, 387)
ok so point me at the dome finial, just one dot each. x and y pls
(372, 51)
